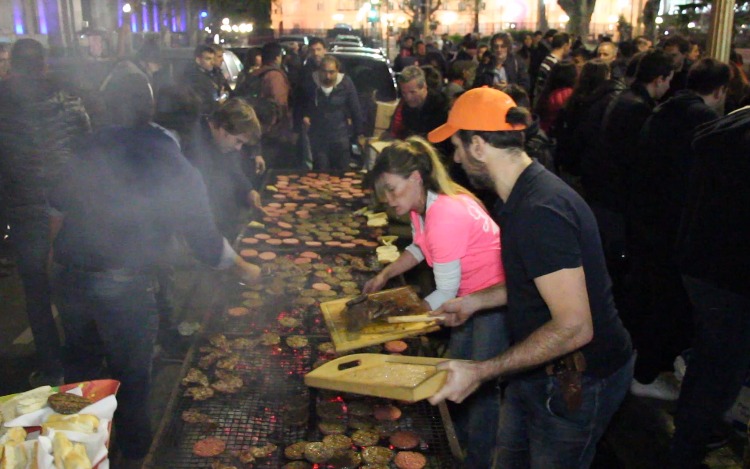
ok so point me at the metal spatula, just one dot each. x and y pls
(414, 318)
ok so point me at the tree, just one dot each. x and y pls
(650, 10)
(579, 13)
(421, 12)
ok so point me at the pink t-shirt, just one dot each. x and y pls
(459, 228)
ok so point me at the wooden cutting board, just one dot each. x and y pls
(375, 374)
(377, 332)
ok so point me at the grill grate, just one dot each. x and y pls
(276, 407)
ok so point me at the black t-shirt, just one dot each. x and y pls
(546, 226)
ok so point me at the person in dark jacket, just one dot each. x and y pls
(123, 195)
(505, 67)
(405, 55)
(622, 125)
(714, 258)
(678, 47)
(626, 115)
(222, 84)
(39, 123)
(217, 154)
(662, 326)
(329, 106)
(199, 76)
(593, 75)
(123, 86)
(421, 111)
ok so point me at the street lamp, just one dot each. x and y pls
(126, 8)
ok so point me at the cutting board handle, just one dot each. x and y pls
(349, 364)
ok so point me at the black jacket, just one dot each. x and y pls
(515, 70)
(713, 237)
(622, 125)
(432, 114)
(664, 160)
(39, 123)
(203, 84)
(227, 184)
(582, 146)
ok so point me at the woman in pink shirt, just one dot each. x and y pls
(455, 235)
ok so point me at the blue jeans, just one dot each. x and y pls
(112, 316)
(480, 338)
(30, 233)
(538, 431)
(715, 372)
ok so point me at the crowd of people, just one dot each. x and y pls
(627, 128)
(582, 212)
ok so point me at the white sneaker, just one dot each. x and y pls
(659, 389)
(680, 366)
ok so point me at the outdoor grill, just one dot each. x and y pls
(274, 405)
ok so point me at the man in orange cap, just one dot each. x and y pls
(571, 362)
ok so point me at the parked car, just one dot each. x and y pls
(176, 60)
(349, 38)
(361, 50)
(301, 39)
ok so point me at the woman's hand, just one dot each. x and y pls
(375, 284)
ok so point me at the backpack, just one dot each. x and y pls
(542, 148)
(249, 89)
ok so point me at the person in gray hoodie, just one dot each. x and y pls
(331, 115)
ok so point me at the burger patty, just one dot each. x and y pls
(297, 465)
(365, 438)
(192, 416)
(66, 403)
(331, 428)
(296, 450)
(410, 460)
(377, 455)
(404, 439)
(209, 447)
(347, 459)
(317, 452)
(337, 443)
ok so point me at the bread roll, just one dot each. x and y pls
(14, 456)
(13, 435)
(61, 446)
(76, 458)
(82, 423)
(26, 402)
(69, 455)
(34, 464)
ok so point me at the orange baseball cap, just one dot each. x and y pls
(477, 109)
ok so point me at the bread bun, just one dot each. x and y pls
(76, 458)
(13, 435)
(25, 403)
(61, 446)
(82, 423)
(14, 456)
